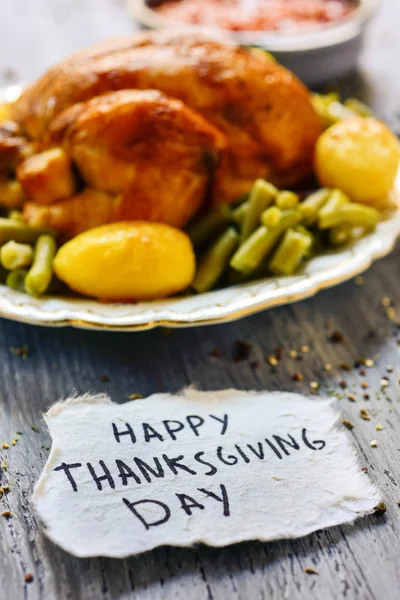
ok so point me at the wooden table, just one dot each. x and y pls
(354, 562)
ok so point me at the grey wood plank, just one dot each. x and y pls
(360, 561)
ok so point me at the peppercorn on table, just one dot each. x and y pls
(345, 342)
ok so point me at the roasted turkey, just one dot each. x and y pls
(155, 125)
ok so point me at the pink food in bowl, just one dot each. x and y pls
(257, 15)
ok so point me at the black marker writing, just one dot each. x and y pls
(67, 468)
(312, 445)
(231, 459)
(150, 432)
(132, 507)
(172, 430)
(98, 479)
(174, 464)
(212, 470)
(223, 499)
(270, 444)
(128, 431)
(281, 443)
(187, 503)
(146, 469)
(194, 423)
(125, 472)
(224, 422)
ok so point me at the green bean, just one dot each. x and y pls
(339, 235)
(209, 225)
(261, 196)
(312, 204)
(271, 217)
(16, 256)
(358, 107)
(39, 276)
(239, 213)
(19, 232)
(215, 261)
(289, 218)
(16, 279)
(290, 252)
(254, 250)
(330, 109)
(306, 233)
(16, 215)
(352, 213)
(327, 215)
(287, 200)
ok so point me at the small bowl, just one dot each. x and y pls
(316, 56)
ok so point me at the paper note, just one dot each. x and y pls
(214, 468)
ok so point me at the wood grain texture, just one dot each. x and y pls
(354, 562)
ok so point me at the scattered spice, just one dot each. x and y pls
(28, 578)
(348, 424)
(362, 372)
(135, 396)
(216, 352)
(314, 385)
(6, 514)
(305, 349)
(104, 378)
(241, 350)
(34, 428)
(293, 353)
(343, 384)
(23, 351)
(380, 509)
(3, 465)
(5, 446)
(345, 367)
(364, 385)
(369, 363)
(328, 367)
(255, 364)
(364, 469)
(365, 415)
(298, 377)
(351, 397)
(311, 571)
(337, 338)
(273, 361)
(5, 489)
(366, 396)
(389, 368)
(379, 427)
(373, 443)
(359, 280)
(18, 432)
(384, 383)
(386, 302)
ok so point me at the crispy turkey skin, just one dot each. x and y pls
(233, 115)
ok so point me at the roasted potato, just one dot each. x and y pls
(127, 261)
(47, 177)
(360, 157)
(11, 194)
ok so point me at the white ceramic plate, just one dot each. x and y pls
(220, 306)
